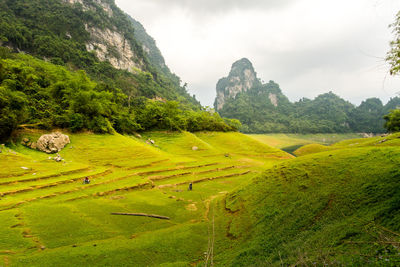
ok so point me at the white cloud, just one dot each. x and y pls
(307, 46)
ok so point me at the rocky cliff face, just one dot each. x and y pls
(109, 44)
(242, 77)
(112, 46)
(106, 6)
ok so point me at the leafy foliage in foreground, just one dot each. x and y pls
(393, 56)
(36, 92)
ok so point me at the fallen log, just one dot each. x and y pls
(142, 214)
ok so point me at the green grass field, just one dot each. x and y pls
(291, 142)
(50, 218)
(251, 204)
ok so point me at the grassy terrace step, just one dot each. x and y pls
(208, 170)
(65, 180)
(38, 183)
(208, 178)
(21, 167)
(68, 187)
(106, 181)
(201, 175)
(177, 168)
(14, 180)
(142, 164)
(122, 184)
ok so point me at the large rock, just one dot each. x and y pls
(52, 143)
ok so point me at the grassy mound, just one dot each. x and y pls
(310, 149)
(291, 142)
(338, 208)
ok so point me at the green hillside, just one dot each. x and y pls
(339, 207)
(39, 94)
(51, 219)
(251, 204)
(83, 35)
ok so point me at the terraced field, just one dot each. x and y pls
(48, 217)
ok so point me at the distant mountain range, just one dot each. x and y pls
(263, 108)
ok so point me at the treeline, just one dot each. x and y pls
(327, 113)
(45, 95)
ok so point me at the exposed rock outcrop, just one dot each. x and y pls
(114, 47)
(242, 77)
(106, 6)
(274, 99)
(109, 44)
(52, 143)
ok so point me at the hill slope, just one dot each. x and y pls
(38, 94)
(251, 205)
(339, 207)
(51, 219)
(95, 36)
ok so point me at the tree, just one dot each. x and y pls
(12, 111)
(393, 56)
(392, 123)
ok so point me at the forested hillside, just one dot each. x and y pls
(45, 95)
(95, 36)
(263, 108)
(90, 66)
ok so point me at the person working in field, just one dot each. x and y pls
(190, 187)
(86, 180)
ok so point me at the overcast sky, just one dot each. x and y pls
(308, 47)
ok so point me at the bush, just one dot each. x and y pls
(392, 123)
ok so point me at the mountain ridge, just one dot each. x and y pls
(263, 108)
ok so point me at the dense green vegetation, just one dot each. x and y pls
(392, 123)
(45, 95)
(327, 113)
(56, 30)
